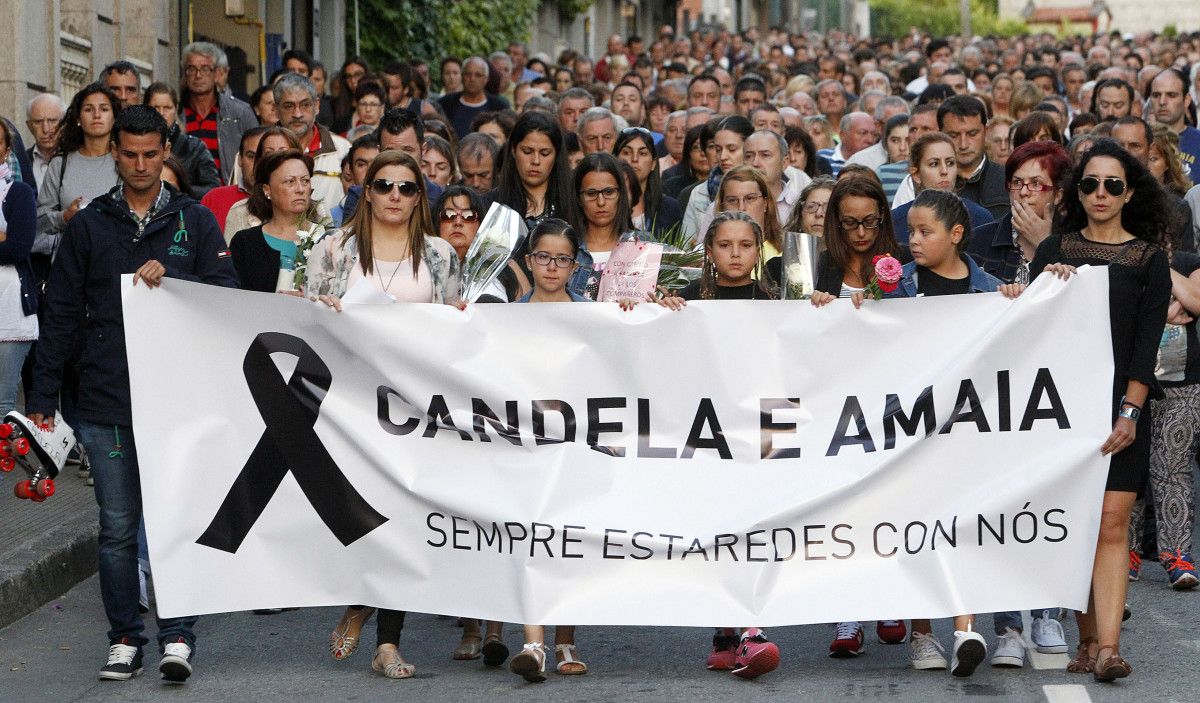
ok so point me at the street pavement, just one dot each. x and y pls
(54, 654)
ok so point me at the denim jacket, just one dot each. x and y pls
(331, 261)
(587, 265)
(980, 281)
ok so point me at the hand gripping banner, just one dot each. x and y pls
(288, 444)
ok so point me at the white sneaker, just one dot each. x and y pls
(1047, 634)
(1010, 649)
(969, 650)
(925, 652)
(176, 664)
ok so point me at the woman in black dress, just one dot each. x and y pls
(1119, 217)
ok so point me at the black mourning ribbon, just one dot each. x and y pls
(289, 444)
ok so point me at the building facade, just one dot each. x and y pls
(1133, 16)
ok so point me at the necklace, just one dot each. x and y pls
(387, 288)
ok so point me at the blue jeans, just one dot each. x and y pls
(119, 494)
(12, 358)
(1012, 619)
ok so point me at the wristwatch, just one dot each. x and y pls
(1129, 410)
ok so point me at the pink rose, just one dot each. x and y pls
(888, 270)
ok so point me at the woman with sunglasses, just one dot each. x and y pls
(458, 213)
(654, 212)
(391, 246)
(1117, 216)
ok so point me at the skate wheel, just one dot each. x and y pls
(6, 430)
(5, 448)
(21, 490)
(37, 498)
(8, 464)
(44, 488)
(22, 446)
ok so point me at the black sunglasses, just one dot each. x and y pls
(1114, 186)
(383, 186)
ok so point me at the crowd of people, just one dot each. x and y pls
(979, 165)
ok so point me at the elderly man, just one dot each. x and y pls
(598, 129)
(857, 131)
(803, 103)
(463, 107)
(215, 119)
(704, 91)
(43, 114)
(616, 47)
(676, 132)
(573, 103)
(477, 157)
(297, 101)
(875, 155)
(831, 100)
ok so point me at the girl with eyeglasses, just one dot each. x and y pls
(602, 217)
(1119, 217)
(858, 227)
(390, 245)
(654, 211)
(458, 213)
(553, 248)
(933, 166)
(265, 255)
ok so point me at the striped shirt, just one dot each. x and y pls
(204, 128)
(891, 176)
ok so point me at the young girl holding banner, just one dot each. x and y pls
(553, 246)
(733, 246)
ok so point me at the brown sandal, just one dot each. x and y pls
(1112, 667)
(1083, 663)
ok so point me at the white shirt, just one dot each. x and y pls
(872, 157)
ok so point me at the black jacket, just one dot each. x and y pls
(100, 244)
(830, 277)
(198, 164)
(20, 212)
(257, 264)
(988, 189)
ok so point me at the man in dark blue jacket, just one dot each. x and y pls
(143, 227)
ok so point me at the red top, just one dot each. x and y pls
(219, 200)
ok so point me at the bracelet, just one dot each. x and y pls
(1127, 403)
(1131, 412)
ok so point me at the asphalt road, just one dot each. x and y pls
(55, 653)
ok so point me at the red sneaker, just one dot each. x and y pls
(848, 642)
(891, 631)
(724, 653)
(755, 655)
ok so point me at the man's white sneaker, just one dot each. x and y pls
(970, 650)
(176, 664)
(1047, 634)
(925, 652)
(1010, 650)
(124, 662)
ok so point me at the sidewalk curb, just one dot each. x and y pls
(60, 559)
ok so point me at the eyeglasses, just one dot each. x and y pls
(594, 194)
(814, 208)
(1114, 186)
(544, 258)
(636, 130)
(733, 202)
(383, 186)
(466, 216)
(870, 222)
(198, 70)
(1016, 184)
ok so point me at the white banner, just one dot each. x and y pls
(733, 464)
